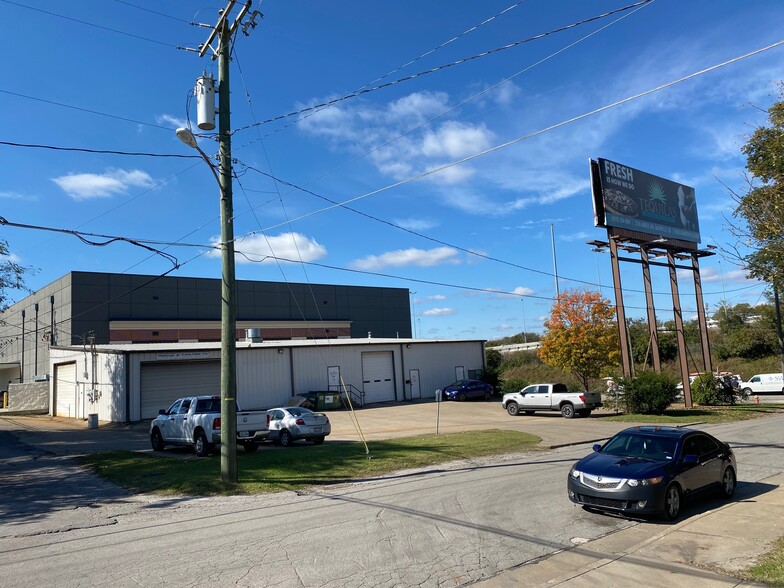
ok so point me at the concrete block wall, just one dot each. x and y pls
(30, 396)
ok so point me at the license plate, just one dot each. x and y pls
(317, 429)
(244, 434)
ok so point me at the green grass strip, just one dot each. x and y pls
(273, 469)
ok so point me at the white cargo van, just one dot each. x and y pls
(763, 383)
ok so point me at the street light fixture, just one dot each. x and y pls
(187, 137)
(228, 352)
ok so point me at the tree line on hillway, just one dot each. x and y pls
(580, 348)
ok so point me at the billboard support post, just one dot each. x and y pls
(677, 314)
(652, 328)
(620, 312)
(701, 320)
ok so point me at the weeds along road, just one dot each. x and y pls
(442, 526)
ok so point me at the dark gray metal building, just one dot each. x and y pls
(85, 308)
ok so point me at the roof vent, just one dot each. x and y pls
(253, 336)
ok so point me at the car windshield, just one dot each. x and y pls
(641, 445)
(458, 384)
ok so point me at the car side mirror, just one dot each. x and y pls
(597, 447)
(161, 411)
(691, 459)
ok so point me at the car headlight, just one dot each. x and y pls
(575, 473)
(645, 482)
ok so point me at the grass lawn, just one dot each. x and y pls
(272, 469)
(702, 414)
(770, 569)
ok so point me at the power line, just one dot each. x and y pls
(82, 236)
(456, 106)
(90, 24)
(101, 151)
(80, 109)
(182, 20)
(367, 90)
(533, 134)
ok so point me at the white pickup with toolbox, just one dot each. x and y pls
(196, 421)
(551, 397)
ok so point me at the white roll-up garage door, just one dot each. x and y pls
(163, 383)
(65, 390)
(378, 376)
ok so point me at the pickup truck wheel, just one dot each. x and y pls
(285, 438)
(156, 440)
(513, 409)
(250, 446)
(200, 444)
(318, 440)
(567, 411)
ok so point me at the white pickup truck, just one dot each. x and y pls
(196, 421)
(551, 397)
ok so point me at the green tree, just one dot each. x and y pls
(11, 275)
(761, 209)
(581, 335)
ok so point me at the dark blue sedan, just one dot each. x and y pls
(649, 470)
(464, 389)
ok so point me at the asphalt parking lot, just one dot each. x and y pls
(63, 436)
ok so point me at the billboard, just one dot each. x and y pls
(628, 198)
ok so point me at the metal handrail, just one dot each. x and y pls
(356, 395)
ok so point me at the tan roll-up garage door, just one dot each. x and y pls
(163, 383)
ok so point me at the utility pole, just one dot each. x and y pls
(223, 31)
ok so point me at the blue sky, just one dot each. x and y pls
(500, 205)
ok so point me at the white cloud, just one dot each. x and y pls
(416, 224)
(436, 297)
(408, 257)
(173, 121)
(16, 196)
(579, 236)
(715, 275)
(440, 312)
(523, 291)
(503, 327)
(455, 140)
(289, 246)
(114, 181)
(12, 257)
(517, 292)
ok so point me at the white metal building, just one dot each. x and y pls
(132, 382)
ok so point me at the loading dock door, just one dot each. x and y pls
(163, 383)
(65, 390)
(378, 376)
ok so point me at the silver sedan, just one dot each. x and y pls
(295, 422)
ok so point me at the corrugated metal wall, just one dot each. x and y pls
(109, 381)
(436, 363)
(263, 377)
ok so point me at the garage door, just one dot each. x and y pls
(163, 383)
(378, 376)
(65, 390)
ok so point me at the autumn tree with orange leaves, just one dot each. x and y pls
(581, 335)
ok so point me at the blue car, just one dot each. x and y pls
(465, 389)
(650, 470)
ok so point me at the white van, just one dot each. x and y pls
(764, 383)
